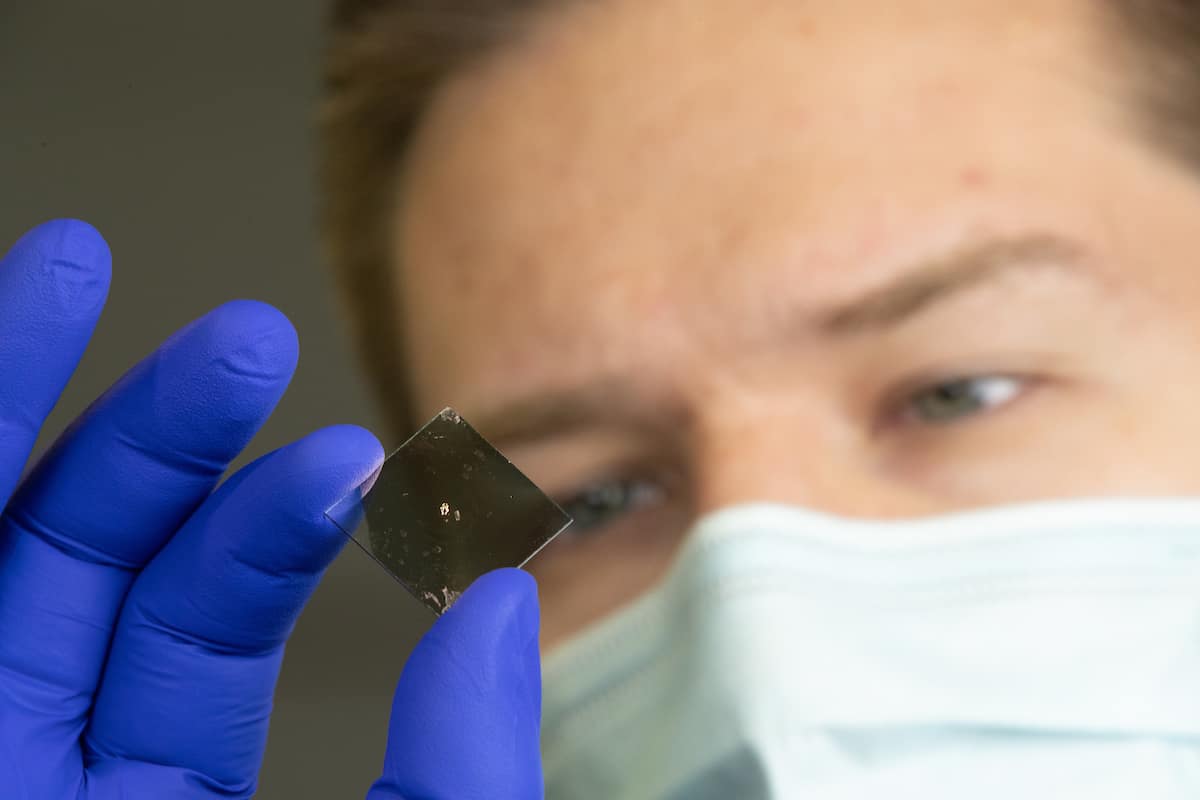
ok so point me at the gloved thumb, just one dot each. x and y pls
(467, 712)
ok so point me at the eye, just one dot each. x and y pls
(954, 400)
(603, 503)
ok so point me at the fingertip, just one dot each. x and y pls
(213, 383)
(260, 342)
(75, 239)
(262, 539)
(326, 465)
(254, 313)
(72, 263)
(350, 444)
(53, 283)
(470, 694)
(200, 397)
(81, 238)
(507, 593)
(505, 581)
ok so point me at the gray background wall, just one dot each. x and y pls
(182, 131)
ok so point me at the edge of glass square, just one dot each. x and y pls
(349, 513)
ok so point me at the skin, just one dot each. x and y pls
(646, 247)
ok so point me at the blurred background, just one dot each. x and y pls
(183, 132)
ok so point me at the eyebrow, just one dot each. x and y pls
(558, 413)
(929, 283)
(917, 290)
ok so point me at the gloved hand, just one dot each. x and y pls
(143, 614)
(467, 712)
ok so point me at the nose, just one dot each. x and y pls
(795, 460)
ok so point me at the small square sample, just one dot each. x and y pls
(445, 508)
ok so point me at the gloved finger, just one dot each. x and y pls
(466, 716)
(112, 490)
(200, 638)
(53, 283)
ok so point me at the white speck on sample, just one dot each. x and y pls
(448, 596)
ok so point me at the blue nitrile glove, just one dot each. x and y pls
(467, 712)
(143, 614)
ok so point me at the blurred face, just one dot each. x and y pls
(878, 259)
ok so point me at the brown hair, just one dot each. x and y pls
(386, 59)
(1162, 52)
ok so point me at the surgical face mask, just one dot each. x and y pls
(1041, 651)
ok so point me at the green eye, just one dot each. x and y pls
(951, 401)
(601, 504)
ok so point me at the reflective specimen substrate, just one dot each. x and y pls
(445, 508)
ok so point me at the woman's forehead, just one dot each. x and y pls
(642, 163)
(608, 138)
